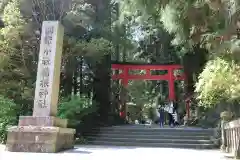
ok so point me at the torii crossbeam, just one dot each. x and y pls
(125, 76)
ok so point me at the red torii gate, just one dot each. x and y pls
(124, 76)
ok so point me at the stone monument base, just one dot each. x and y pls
(48, 121)
(39, 139)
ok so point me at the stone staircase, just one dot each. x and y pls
(152, 136)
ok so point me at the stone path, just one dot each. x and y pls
(118, 153)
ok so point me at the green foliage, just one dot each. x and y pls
(135, 111)
(219, 82)
(19, 44)
(96, 47)
(140, 92)
(152, 113)
(8, 116)
(75, 109)
(11, 33)
(190, 21)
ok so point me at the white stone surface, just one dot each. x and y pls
(48, 75)
(118, 153)
(2, 147)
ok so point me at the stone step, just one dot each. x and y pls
(145, 136)
(149, 140)
(157, 127)
(151, 132)
(160, 145)
(152, 136)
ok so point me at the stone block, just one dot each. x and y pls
(44, 132)
(228, 150)
(223, 148)
(232, 124)
(39, 139)
(42, 121)
(48, 74)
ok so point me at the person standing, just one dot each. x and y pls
(175, 113)
(161, 118)
(160, 105)
(171, 121)
(170, 112)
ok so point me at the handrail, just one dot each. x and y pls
(231, 137)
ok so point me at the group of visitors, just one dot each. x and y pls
(172, 121)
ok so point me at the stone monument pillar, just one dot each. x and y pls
(44, 132)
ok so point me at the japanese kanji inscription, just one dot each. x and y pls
(47, 84)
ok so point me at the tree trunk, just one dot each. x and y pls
(68, 79)
(81, 76)
(101, 88)
(75, 79)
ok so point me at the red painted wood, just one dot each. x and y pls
(148, 72)
(125, 77)
(142, 77)
(142, 67)
(171, 85)
(147, 77)
(170, 77)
